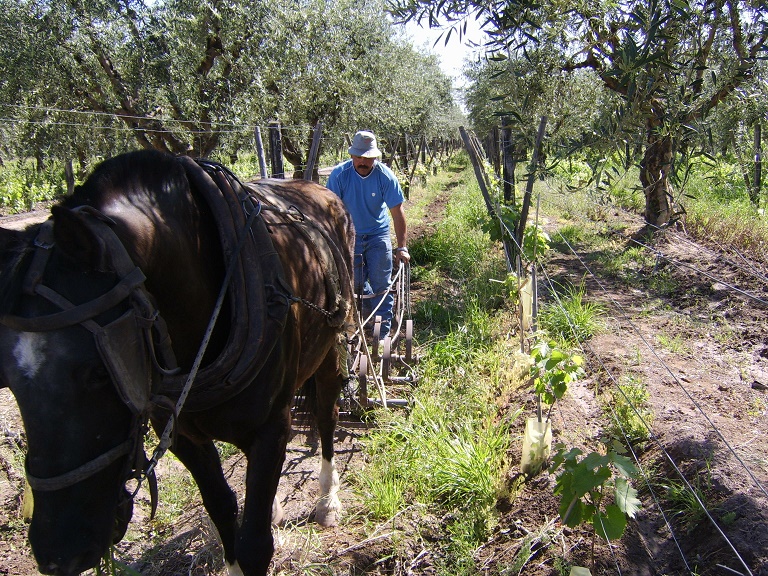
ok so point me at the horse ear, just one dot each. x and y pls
(10, 238)
(77, 240)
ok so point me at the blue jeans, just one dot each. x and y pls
(373, 270)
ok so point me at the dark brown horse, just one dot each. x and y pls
(99, 304)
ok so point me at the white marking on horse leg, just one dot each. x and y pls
(29, 352)
(278, 514)
(329, 506)
(234, 569)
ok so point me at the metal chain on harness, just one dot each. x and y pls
(310, 305)
(298, 216)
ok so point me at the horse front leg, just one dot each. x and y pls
(255, 545)
(204, 463)
(328, 381)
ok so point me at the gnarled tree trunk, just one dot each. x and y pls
(654, 176)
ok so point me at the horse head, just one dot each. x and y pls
(84, 428)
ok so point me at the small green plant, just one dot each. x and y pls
(595, 489)
(683, 502)
(111, 566)
(567, 236)
(553, 370)
(674, 343)
(628, 412)
(688, 501)
(536, 242)
(226, 450)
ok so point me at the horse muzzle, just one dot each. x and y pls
(70, 566)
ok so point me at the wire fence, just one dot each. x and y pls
(746, 271)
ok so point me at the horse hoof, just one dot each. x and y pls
(327, 520)
(328, 512)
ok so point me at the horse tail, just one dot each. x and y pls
(305, 403)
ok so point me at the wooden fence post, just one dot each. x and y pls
(69, 176)
(313, 150)
(276, 150)
(529, 186)
(260, 153)
(758, 162)
(479, 173)
(508, 162)
(420, 153)
(495, 160)
(403, 153)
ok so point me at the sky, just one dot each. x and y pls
(453, 54)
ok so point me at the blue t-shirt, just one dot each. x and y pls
(369, 198)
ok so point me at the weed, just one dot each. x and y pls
(584, 485)
(628, 413)
(568, 236)
(627, 264)
(22, 185)
(663, 283)
(570, 319)
(177, 490)
(674, 343)
(684, 503)
(757, 407)
(226, 450)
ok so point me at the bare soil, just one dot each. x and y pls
(696, 342)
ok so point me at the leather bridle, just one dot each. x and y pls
(142, 318)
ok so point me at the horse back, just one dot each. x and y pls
(315, 243)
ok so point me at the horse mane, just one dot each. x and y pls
(134, 172)
(15, 262)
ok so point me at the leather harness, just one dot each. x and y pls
(257, 289)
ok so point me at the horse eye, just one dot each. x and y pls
(92, 374)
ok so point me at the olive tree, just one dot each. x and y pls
(672, 61)
(191, 77)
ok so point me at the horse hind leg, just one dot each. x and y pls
(328, 383)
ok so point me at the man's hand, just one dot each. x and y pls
(402, 255)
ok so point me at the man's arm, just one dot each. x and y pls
(401, 233)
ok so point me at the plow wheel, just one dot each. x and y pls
(386, 358)
(362, 380)
(409, 341)
(376, 335)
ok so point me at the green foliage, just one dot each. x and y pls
(448, 453)
(111, 566)
(719, 207)
(553, 370)
(684, 503)
(595, 489)
(22, 185)
(536, 241)
(570, 318)
(452, 459)
(663, 84)
(627, 263)
(629, 414)
(93, 78)
(456, 245)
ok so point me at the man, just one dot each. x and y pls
(368, 188)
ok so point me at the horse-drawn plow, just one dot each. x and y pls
(377, 364)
